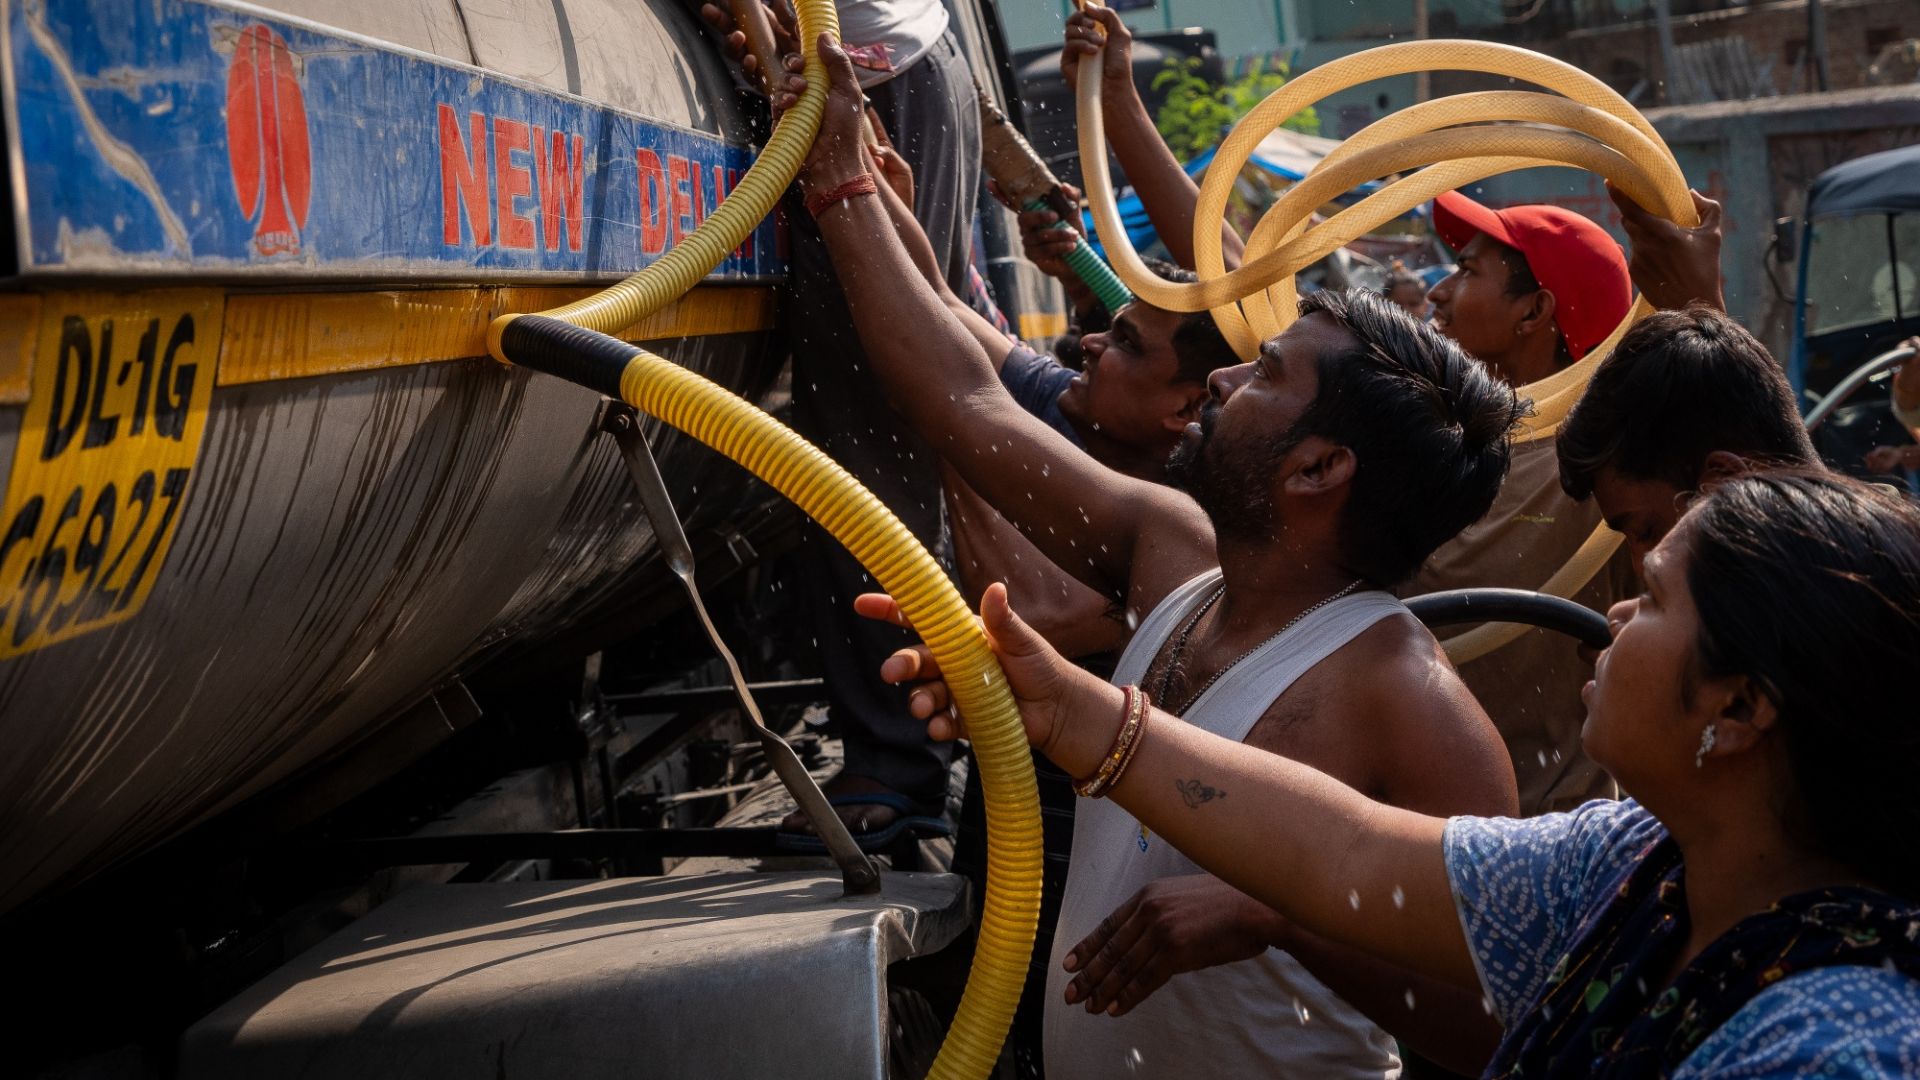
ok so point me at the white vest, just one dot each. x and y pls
(1264, 1017)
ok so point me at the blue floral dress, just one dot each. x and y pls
(1525, 889)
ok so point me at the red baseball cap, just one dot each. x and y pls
(1570, 256)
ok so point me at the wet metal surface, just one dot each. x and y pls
(716, 976)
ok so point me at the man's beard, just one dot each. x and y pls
(1232, 484)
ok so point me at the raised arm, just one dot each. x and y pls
(1088, 519)
(912, 237)
(1073, 618)
(1166, 191)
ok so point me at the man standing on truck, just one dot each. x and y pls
(916, 79)
(1326, 470)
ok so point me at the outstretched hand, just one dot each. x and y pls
(1050, 690)
(1673, 265)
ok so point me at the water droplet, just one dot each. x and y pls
(1409, 1000)
(1399, 897)
(1353, 897)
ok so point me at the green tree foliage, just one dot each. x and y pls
(1197, 113)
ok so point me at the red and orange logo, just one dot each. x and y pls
(267, 141)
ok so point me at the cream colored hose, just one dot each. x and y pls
(1451, 142)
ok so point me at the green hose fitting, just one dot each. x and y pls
(1089, 267)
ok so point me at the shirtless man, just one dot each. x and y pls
(1321, 473)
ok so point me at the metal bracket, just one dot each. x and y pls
(858, 873)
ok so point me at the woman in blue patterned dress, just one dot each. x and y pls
(1749, 912)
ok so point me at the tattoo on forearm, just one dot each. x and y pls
(1197, 792)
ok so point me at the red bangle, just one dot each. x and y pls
(859, 185)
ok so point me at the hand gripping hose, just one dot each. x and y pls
(1024, 178)
(1451, 141)
(1089, 267)
(572, 342)
(694, 257)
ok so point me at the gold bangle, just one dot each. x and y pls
(1133, 744)
(1133, 716)
(1093, 785)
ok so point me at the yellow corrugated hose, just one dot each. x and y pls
(1451, 141)
(694, 257)
(825, 492)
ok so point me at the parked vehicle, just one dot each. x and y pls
(1858, 294)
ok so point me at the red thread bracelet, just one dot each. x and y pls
(859, 185)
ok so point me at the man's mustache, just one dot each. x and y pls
(1209, 414)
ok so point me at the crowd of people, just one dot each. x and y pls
(1285, 835)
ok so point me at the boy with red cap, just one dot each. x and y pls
(1537, 288)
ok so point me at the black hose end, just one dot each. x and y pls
(577, 355)
(1458, 606)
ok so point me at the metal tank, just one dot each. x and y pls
(264, 493)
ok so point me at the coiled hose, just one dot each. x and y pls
(573, 343)
(1587, 126)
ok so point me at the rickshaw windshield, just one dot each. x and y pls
(1862, 270)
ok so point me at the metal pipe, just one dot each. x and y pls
(856, 869)
(1817, 43)
(1856, 379)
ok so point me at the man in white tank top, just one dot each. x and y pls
(1319, 474)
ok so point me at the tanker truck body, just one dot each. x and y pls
(267, 501)
(263, 489)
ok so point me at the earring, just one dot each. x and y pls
(1707, 736)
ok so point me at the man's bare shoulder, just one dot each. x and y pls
(1440, 753)
(1400, 655)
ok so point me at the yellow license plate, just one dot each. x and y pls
(120, 386)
